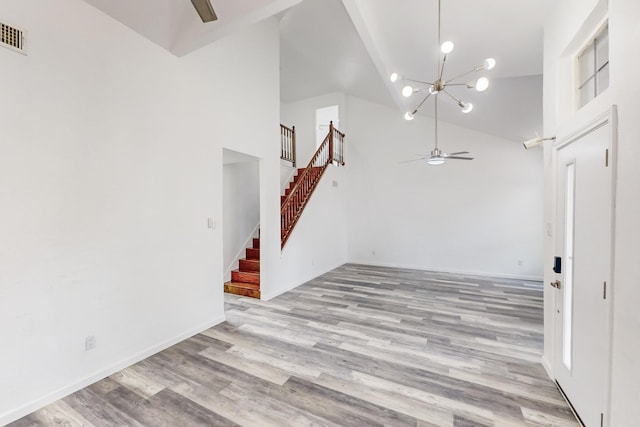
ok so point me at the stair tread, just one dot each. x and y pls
(245, 276)
(242, 289)
(243, 285)
(252, 253)
(246, 265)
(253, 273)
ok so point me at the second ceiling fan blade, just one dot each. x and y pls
(414, 160)
(459, 158)
(205, 10)
(455, 154)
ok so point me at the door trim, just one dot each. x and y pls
(609, 117)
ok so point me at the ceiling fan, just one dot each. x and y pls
(205, 10)
(437, 156)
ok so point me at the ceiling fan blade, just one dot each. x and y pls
(414, 160)
(205, 10)
(459, 158)
(455, 154)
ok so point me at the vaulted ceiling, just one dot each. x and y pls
(352, 46)
(175, 25)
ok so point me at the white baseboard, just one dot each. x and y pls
(437, 270)
(30, 407)
(547, 367)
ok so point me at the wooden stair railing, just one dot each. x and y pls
(330, 151)
(288, 144)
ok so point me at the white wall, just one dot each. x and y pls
(319, 241)
(480, 216)
(241, 210)
(302, 115)
(561, 31)
(111, 163)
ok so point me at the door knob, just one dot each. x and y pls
(555, 284)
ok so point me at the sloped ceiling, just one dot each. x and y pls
(327, 42)
(352, 46)
(175, 25)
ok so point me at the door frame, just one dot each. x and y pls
(610, 118)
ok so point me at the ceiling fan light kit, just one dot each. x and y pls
(439, 86)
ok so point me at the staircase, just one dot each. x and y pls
(245, 280)
(306, 180)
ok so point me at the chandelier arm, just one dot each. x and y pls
(476, 69)
(458, 101)
(415, 110)
(418, 81)
(444, 61)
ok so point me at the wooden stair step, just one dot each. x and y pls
(250, 265)
(253, 253)
(256, 243)
(245, 277)
(242, 289)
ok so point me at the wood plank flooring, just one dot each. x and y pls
(359, 346)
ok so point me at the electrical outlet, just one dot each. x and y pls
(520, 263)
(89, 342)
(211, 223)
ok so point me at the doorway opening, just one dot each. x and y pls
(324, 116)
(241, 223)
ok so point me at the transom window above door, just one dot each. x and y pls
(593, 67)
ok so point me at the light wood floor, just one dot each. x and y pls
(359, 346)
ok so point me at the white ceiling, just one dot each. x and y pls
(352, 46)
(175, 25)
(321, 52)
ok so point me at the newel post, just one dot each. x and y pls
(331, 141)
(293, 143)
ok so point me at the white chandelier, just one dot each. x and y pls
(441, 84)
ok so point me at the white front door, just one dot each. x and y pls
(584, 243)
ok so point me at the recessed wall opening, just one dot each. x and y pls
(240, 219)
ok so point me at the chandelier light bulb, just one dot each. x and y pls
(394, 77)
(482, 84)
(433, 90)
(446, 47)
(407, 91)
(409, 115)
(466, 107)
(489, 63)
